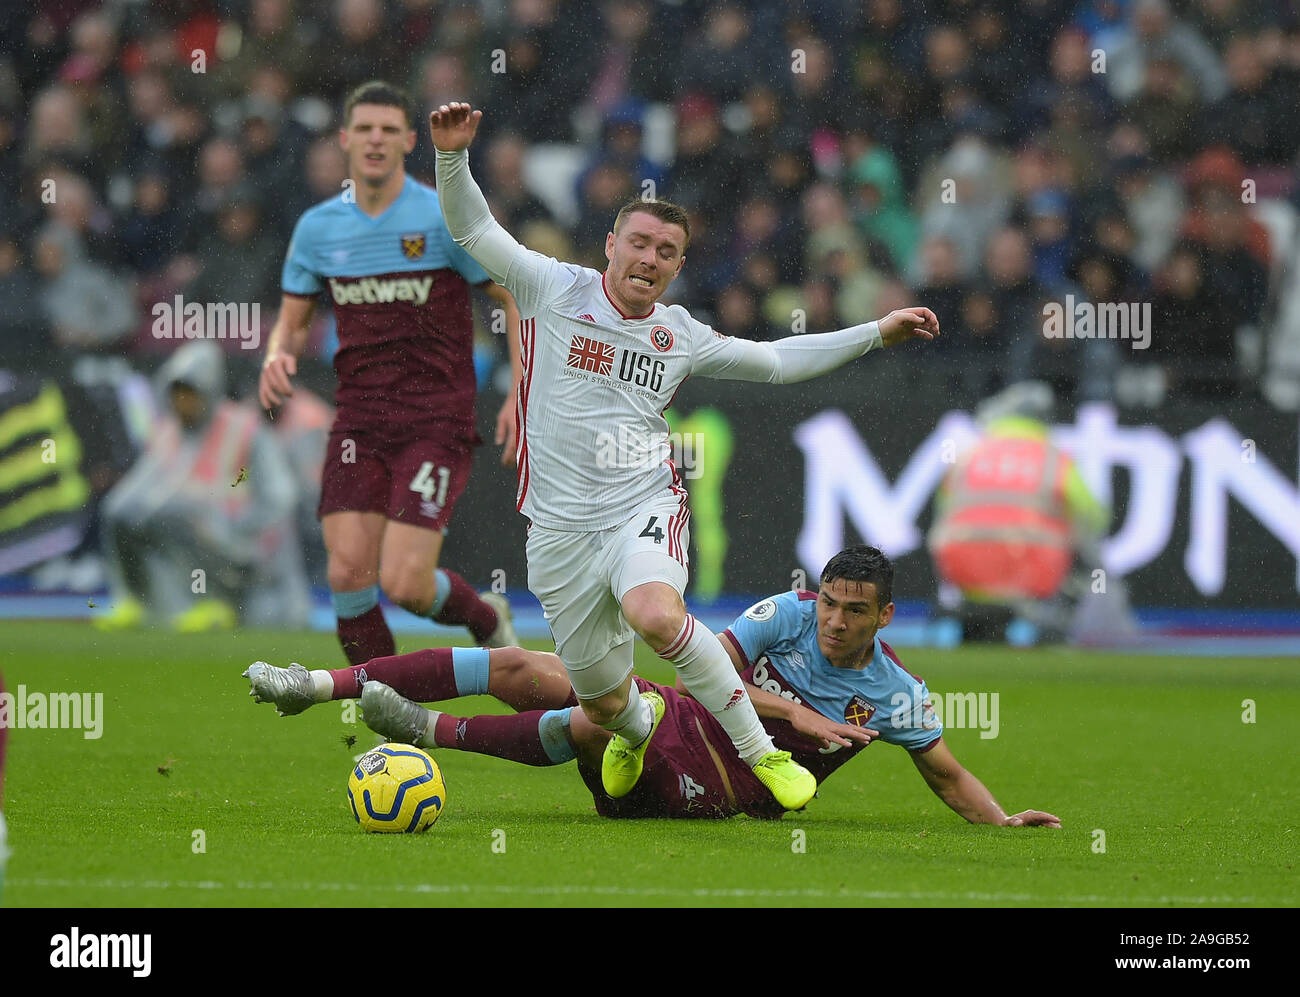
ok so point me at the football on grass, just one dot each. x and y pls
(396, 788)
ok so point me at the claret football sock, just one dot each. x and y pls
(533, 738)
(707, 672)
(362, 630)
(457, 604)
(428, 676)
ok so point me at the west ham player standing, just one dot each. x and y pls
(400, 449)
(607, 539)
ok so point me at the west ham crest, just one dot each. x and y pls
(858, 712)
(413, 246)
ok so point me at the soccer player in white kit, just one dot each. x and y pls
(608, 531)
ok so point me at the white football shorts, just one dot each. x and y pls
(581, 578)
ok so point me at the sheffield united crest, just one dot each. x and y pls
(661, 338)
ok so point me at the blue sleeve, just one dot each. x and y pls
(298, 275)
(913, 723)
(765, 624)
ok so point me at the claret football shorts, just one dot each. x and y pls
(414, 481)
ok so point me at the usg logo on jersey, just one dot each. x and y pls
(761, 611)
(661, 338)
(374, 291)
(413, 246)
(858, 712)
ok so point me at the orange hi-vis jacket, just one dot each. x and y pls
(1003, 530)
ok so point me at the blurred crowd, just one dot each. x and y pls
(839, 158)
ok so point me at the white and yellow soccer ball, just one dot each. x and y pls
(396, 788)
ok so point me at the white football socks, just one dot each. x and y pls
(322, 685)
(707, 671)
(634, 721)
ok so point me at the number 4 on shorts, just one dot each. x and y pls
(652, 530)
(423, 483)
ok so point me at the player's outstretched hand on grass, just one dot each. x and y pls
(452, 126)
(827, 732)
(1032, 818)
(908, 323)
(274, 385)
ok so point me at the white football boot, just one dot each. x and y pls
(504, 634)
(392, 716)
(290, 689)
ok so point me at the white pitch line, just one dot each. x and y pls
(615, 891)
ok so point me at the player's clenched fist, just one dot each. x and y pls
(274, 385)
(904, 323)
(453, 125)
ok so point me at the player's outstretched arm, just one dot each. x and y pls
(967, 795)
(285, 345)
(464, 208)
(799, 358)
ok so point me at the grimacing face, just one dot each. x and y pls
(644, 257)
(377, 139)
(848, 620)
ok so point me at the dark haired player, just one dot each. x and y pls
(823, 682)
(607, 539)
(400, 450)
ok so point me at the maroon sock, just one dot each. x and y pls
(513, 737)
(424, 676)
(366, 636)
(464, 608)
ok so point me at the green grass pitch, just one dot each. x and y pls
(1198, 808)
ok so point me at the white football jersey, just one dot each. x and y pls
(593, 442)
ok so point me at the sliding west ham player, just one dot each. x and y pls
(400, 449)
(819, 675)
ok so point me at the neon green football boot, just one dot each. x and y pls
(204, 616)
(126, 614)
(621, 767)
(787, 780)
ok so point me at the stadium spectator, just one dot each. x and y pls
(1252, 117)
(86, 306)
(152, 229)
(880, 206)
(724, 58)
(965, 195)
(274, 34)
(512, 202)
(207, 511)
(1153, 35)
(237, 261)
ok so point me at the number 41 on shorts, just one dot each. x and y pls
(423, 484)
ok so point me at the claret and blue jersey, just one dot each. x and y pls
(777, 639)
(400, 286)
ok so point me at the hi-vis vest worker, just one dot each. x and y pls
(1012, 513)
